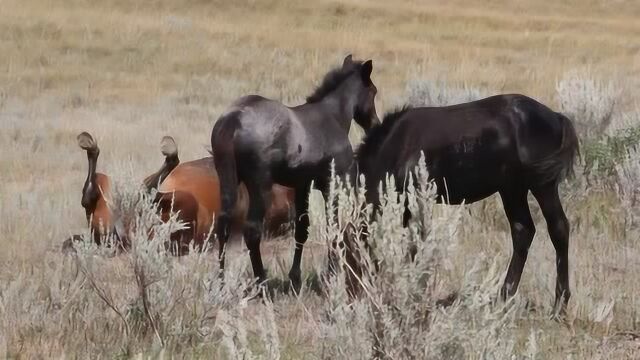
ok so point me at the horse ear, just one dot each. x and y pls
(366, 70)
(347, 61)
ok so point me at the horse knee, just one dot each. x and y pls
(559, 232)
(526, 230)
(301, 231)
(522, 234)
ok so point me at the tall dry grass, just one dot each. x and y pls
(131, 72)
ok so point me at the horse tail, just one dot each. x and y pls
(223, 149)
(558, 165)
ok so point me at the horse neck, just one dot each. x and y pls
(153, 180)
(89, 192)
(339, 105)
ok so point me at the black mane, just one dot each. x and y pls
(374, 139)
(332, 80)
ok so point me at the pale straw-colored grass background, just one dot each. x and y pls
(131, 72)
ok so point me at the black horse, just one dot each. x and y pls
(509, 144)
(260, 141)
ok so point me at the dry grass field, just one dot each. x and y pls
(131, 72)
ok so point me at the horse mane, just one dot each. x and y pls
(374, 139)
(332, 80)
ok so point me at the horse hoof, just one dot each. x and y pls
(296, 283)
(296, 288)
(258, 290)
(559, 317)
(251, 294)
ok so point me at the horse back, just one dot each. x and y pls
(513, 127)
(473, 149)
(264, 128)
(452, 138)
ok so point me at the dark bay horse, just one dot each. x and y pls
(258, 142)
(509, 144)
(185, 187)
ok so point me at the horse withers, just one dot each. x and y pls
(259, 142)
(509, 144)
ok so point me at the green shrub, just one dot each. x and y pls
(602, 155)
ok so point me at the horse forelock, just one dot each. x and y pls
(332, 80)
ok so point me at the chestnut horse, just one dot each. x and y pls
(506, 144)
(182, 185)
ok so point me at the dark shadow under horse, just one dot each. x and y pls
(258, 142)
(509, 144)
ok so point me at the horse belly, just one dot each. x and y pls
(455, 192)
(291, 177)
(469, 178)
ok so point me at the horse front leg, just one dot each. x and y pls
(352, 260)
(301, 234)
(522, 232)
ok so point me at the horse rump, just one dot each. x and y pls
(559, 164)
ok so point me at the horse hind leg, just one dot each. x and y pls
(522, 232)
(258, 184)
(558, 226)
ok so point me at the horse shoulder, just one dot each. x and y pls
(102, 216)
(299, 144)
(326, 141)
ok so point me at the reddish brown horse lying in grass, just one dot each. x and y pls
(192, 187)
